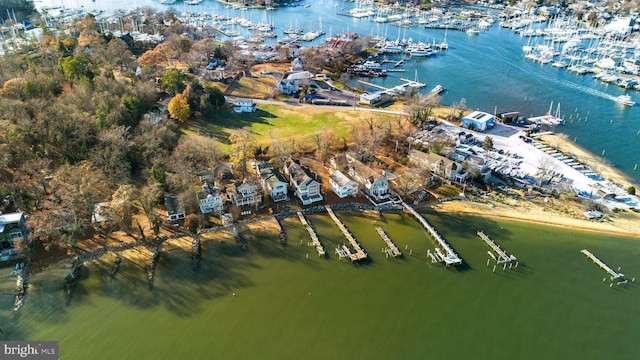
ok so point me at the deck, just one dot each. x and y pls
(449, 257)
(315, 242)
(501, 255)
(359, 254)
(391, 248)
(614, 274)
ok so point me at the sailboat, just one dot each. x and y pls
(443, 45)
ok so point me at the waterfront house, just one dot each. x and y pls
(272, 181)
(478, 120)
(342, 185)
(376, 185)
(242, 106)
(437, 164)
(307, 189)
(13, 233)
(297, 65)
(210, 199)
(287, 86)
(243, 193)
(174, 211)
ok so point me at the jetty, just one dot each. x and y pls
(614, 274)
(449, 257)
(315, 242)
(359, 254)
(500, 257)
(391, 248)
(396, 90)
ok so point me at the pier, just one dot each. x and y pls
(391, 248)
(447, 258)
(614, 274)
(500, 257)
(359, 254)
(315, 242)
(396, 90)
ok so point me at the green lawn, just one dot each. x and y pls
(283, 122)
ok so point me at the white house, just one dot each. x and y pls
(287, 86)
(12, 230)
(307, 189)
(376, 185)
(242, 106)
(342, 185)
(272, 182)
(243, 193)
(174, 211)
(297, 65)
(210, 199)
(437, 164)
(301, 78)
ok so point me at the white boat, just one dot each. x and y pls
(419, 50)
(625, 100)
(167, 2)
(192, 2)
(437, 89)
(473, 31)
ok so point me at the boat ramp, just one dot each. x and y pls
(391, 248)
(500, 256)
(449, 257)
(614, 275)
(315, 242)
(343, 251)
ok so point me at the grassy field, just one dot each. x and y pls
(288, 123)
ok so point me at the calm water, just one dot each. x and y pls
(487, 70)
(287, 307)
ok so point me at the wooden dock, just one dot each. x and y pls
(500, 256)
(391, 248)
(359, 254)
(614, 274)
(315, 242)
(449, 257)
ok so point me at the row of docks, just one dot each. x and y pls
(500, 256)
(343, 251)
(396, 90)
(391, 249)
(315, 242)
(449, 257)
(614, 275)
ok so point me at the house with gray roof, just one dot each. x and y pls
(307, 189)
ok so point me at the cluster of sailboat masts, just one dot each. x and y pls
(612, 56)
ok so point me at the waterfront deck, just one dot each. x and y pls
(315, 242)
(391, 248)
(614, 274)
(449, 257)
(359, 254)
(501, 256)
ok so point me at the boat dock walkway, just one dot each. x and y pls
(359, 254)
(614, 274)
(396, 90)
(450, 257)
(392, 249)
(502, 256)
(315, 242)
